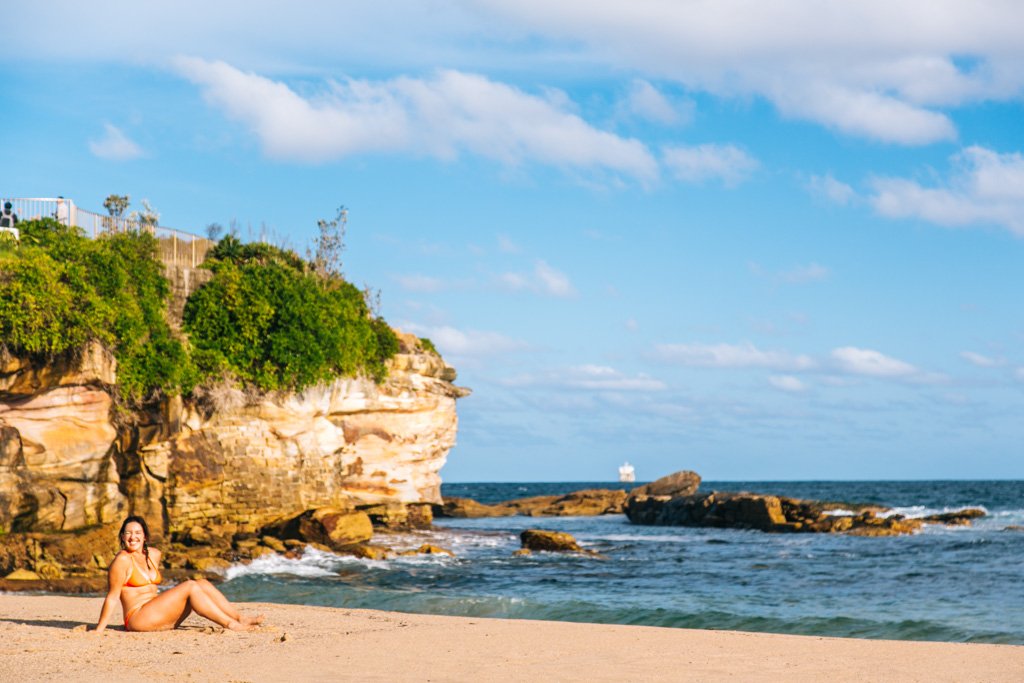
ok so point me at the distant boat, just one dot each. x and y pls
(627, 473)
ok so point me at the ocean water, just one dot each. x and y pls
(958, 584)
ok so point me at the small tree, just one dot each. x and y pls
(329, 243)
(372, 298)
(116, 204)
(148, 216)
(214, 231)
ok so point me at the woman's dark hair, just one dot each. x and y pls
(145, 535)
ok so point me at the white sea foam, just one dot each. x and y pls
(916, 511)
(839, 512)
(313, 563)
(645, 538)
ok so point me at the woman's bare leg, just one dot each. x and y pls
(225, 605)
(169, 609)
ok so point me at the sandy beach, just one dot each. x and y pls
(43, 638)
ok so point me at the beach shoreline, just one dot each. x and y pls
(42, 637)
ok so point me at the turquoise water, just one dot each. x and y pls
(948, 584)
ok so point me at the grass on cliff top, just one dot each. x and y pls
(265, 319)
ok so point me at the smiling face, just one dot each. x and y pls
(133, 536)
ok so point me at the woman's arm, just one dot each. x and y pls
(116, 576)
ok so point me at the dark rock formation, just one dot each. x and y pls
(682, 483)
(576, 504)
(551, 541)
(333, 527)
(462, 508)
(399, 517)
(584, 503)
(772, 513)
(428, 549)
(955, 518)
(223, 459)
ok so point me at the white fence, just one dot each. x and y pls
(176, 248)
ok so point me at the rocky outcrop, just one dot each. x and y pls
(227, 462)
(576, 504)
(745, 510)
(57, 466)
(400, 517)
(550, 541)
(350, 442)
(682, 483)
(333, 527)
(955, 518)
(462, 508)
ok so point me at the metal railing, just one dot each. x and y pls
(175, 247)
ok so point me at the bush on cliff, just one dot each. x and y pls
(267, 319)
(59, 290)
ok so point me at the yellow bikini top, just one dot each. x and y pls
(139, 578)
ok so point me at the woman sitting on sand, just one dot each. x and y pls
(133, 577)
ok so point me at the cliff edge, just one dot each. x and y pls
(227, 461)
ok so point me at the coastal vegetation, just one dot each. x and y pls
(270, 319)
(60, 290)
(267, 318)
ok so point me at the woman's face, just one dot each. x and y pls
(133, 536)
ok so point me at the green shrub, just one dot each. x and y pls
(428, 346)
(268, 320)
(264, 318)
(59, 290)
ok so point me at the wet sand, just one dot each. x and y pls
(43, 638)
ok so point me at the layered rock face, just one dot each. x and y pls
(57, 469)
(229, 462)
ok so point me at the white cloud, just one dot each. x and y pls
(981, 361)
(985, 187)
(855, 67)
(787, 383)
(876, 68)
(543, 280)
(514, 281)
(731, 356)
(506, 245)
(831, 189)
(804, 274)
(647, 102)
(443, 116)
(554, 282)
(727, 163)
(846, 360)
(863, 113)
(589, 378)
(420, 283)
(475, 343)
(872, 363)
(114, 145)
(798, 275)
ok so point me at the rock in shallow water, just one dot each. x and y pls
(551, 541)
(774, 513)
(682, 483)
(584, 503)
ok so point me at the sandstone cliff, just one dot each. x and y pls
(70, 459)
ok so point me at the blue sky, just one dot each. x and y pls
(758, 240)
